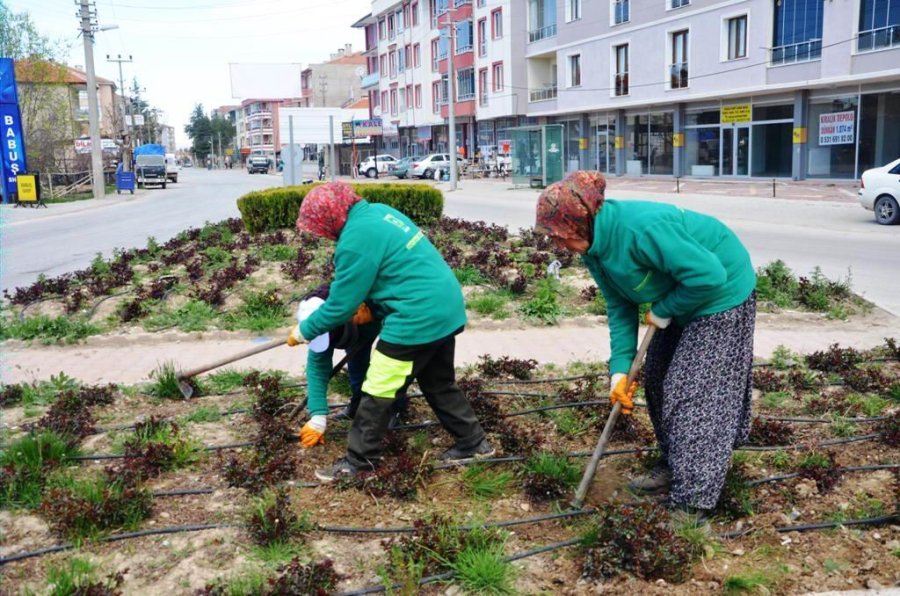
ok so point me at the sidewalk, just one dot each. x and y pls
(130, 359)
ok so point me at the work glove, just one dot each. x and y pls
(363, 315)
(313, 432)
(620, 392)
(295, 338)
(656, 321)
(304, 310)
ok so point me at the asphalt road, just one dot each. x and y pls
(837, 236)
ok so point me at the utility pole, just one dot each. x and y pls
(323, 87)
(221, 152)
(451, 101)
(126, 137)
(88, 26)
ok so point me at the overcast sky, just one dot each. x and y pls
(181, 48)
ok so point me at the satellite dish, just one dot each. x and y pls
(360, 71)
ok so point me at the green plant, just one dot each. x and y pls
(271, 519)
(224, 381)
(753, 581)
(49, 330)
(775, 283)
(781, 460)
(261, 311)
(248, 582)
(210, 413)
(469, 276)
(278, 252)
(193, 315)
(783, 358)
(841, 427)
(548, 477)
(483, 571)
(736, 500)
(78, 577)
(25, 464)
(486, 483)
(570, 423)
(215, 258)
(777, 399)
(490, 304)
(165, 382)
(544, 305)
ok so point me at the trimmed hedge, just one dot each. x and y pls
(274, 208)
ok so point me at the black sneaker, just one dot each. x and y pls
(342, 469)
(457, 455)
(655, 482)
(345, 414)
(685, 516)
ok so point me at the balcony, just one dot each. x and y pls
(678, 75)
(547, 93)
(804, 51)
(259, 114)
(542, 33)
(370, 80)
(877, 39)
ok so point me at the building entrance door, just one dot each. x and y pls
(606, 152)
(735, 147)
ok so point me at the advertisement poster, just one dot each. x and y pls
(837, 128)
(13, 161)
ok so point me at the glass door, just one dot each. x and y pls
(735, 149)
(606, 154)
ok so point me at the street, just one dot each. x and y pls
(837, 236)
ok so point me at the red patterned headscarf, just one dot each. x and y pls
(566, 209)
(324, 210)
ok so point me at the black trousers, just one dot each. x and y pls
(392, 369)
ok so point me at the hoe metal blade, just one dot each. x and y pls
(186, 389)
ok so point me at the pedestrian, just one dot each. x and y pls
(356, 337)
(382, 258)
(697, 278)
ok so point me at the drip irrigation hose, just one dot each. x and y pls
(823, 420)
(781, 477)
(182, 492)
(501, 524)
(829, 443)
(97, 303)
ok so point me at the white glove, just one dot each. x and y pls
(614, 380)
(304, 310)
(313, 432)
(318, 422)
(656, 321)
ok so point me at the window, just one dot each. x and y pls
(417, 56)
(399, 20)
(542, 19)
(497, 24)
(621, 11)
(401, 60)
(438, 7)
(384, 70)
(436, 97)
(434, 55)
(393, 102)
(482, 37)
(463, 37)
(797, 31)
(678, 69)
(679, 3)
(573, 10)
(621, 60)
(497, 83)
(414, 13)
(879, 24)
(406, 16)
(465, 84)
(443, 43)
(418, 96)
(391, 26)
(392, 57)
(445, 89)
(737, 37)
(401, 104)
(575, 70)
(380, 28)
(375, 98)
(483, 87)
(384, 100)
(482, 3)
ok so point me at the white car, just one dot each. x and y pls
(879, 191)
(425, 167)
(367, 167)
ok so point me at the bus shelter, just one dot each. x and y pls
(537, 155)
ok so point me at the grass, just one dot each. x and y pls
(79, 196)
(260, 311)
(469, 276)
(77, 576)
(490, 304)
(544, 305)
(29, 459)
(700, 537)
(840, 427)
(555, 467)
(860, 507)
(870, 405)
(483, 571)
(569, 423)
(776, 400)
(185, 450)
(249, 581)
(757, 581)
(203, 414)
(49, 330)
(485, 483)
(340, 384)
(165, 382)
(193, 315)
(277, 552)
(224, 381)
(277, 252)
(781, 460)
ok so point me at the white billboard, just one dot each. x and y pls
(264, 80)
(311, 124)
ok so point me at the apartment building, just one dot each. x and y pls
(333, 83)
(409, 48)
(755, 88)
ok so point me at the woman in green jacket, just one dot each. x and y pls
(699, 281)
(382, 258)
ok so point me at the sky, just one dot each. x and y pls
(181, 48)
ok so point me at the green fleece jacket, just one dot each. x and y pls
(320, 364)
(382, 258)
(684, 263)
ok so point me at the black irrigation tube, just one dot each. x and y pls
(781, 477)
(829, 443)
(501, 524)
(183, 492)
(823, 420)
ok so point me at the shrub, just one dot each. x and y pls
(834, 359)
(271, 209)
(398, 477)
(637, 539)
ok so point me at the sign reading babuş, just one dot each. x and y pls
(13, 160)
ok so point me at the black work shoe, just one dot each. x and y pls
(342, 469)
(656, 481)
(685, 516)
(457, 455)
(345, 414)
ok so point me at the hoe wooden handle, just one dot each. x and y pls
(187, 374)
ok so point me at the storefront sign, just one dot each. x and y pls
(423, 133)
(800, 136)
(505, 146)
(367, 128)
(837, 128)
(620, 142)
(390, 129)
(28, 189)
(83, 145)
(347, 130)
(582, 144)
(13, 161)
(741, 112)
(678, 139)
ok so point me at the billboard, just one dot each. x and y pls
(13, 160)
(837, 128)
(265, 81)
(311, 124)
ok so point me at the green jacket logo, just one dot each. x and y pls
(394, 221)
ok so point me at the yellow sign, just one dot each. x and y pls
(229, 150)
(737, 113)
(620, 142)
(26, 188)
(800, 136)
(582, 143)
(678, 139)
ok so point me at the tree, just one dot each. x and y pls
(200, 130)
(223, 131)
(149, 131)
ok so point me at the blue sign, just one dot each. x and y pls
(11, 136)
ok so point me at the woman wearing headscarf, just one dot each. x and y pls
(698, 279)
(382, 258)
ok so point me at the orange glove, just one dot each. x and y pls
(362, 315)
(295, 338)
(313, 432)
(620, 392)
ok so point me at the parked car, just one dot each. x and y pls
(401, 168)
(172, 167)
(187, 164)
(258, 164)
(425, 167)
(367, 167)
(879, 191)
